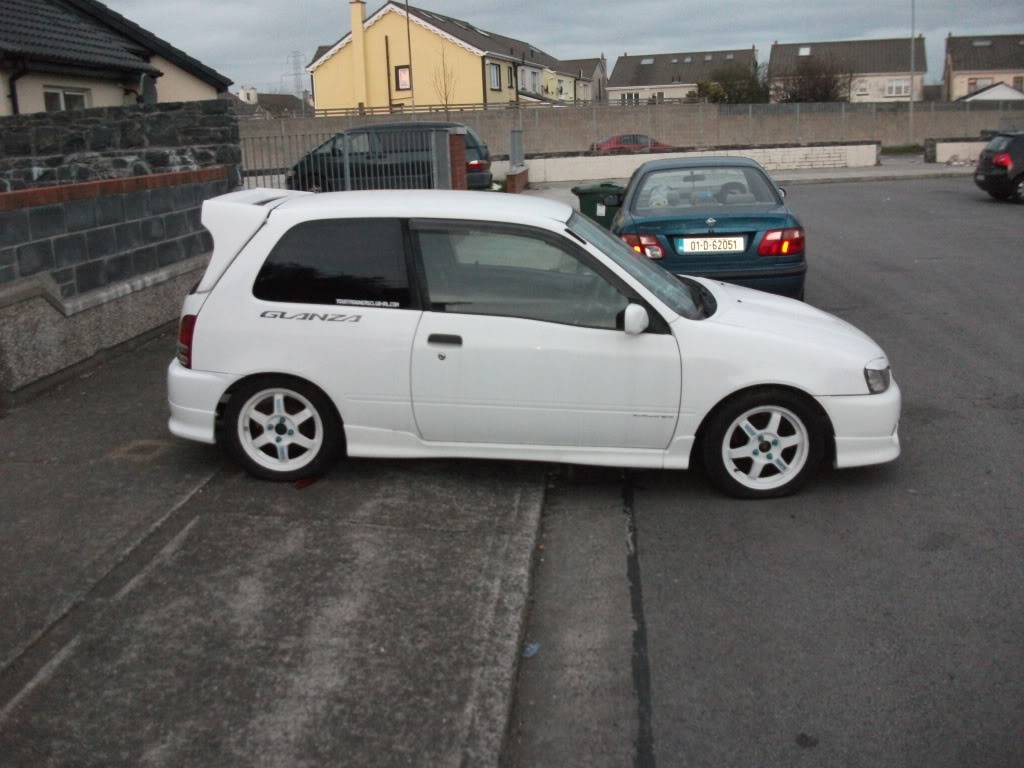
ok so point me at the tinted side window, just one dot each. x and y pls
(485, 272)
(354, 262)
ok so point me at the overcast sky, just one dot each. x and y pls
(252, 42)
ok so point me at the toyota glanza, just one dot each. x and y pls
(476, 325)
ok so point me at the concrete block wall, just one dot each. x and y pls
(576, 128)
(589, 167)
(50, 148)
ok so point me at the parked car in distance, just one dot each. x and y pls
(461, 324)
(1000, 170)
(717, 217)
(385, 156)
(628, 144)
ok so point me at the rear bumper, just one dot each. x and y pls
(787, 281)
(865, 426)
(1000, 183)
(479, 179)
(193, 397)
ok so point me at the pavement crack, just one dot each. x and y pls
(644, 757)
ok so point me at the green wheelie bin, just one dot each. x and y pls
(595, 201)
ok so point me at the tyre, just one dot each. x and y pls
(1001, 195)
(280, 428)
(1019, 189)
(764, 443)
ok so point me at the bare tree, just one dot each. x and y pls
(815, 79)
(735, 84)
(444, 77)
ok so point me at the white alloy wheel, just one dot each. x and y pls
(280, 429)
(765, 447)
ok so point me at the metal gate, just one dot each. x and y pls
(400, 157)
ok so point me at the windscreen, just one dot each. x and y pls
(683, 189)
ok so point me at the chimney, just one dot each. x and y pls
(357, 16)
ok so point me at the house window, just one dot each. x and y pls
(805, 50)
(629, 98)
(535, 82)
(729, 56)
(511, 78)
(898, 87)
(495, 70)
(977, 83)
(646, 61)
(59, 99)
(561, 87)
(861, 88)
(687, 59)
(403, 78)
(708, 57)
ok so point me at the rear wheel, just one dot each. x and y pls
(1002, 195)
(1019, 189)
(280, 428)
(764, 443)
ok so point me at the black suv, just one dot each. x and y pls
(385, 156)
(1000, 170)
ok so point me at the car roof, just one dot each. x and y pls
(722, 161)
(426, 204)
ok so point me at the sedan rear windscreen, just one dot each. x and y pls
(685, 188)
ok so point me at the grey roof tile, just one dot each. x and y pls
(859, 57)
(667, 68)
(971, 53)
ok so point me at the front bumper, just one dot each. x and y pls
(193, 397)
(865, 426)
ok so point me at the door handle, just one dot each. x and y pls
(444, 338)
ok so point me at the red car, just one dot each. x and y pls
(629, 143)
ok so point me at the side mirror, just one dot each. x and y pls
(635, 320)
(612, 200)
(782, 192)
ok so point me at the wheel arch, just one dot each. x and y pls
(695, 449)
(248, 379)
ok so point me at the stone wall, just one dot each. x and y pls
(50, 148)
(87, 236)
(85, 267)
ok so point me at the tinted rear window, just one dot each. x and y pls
(999, 143)
(348, 262)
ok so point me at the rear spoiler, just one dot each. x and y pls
(233, 219)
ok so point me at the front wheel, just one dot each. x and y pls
(280, 428)
(763, 444)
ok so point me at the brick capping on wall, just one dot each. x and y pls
(705, 148)
(26, 198)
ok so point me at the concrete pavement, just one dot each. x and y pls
(873, 620)
(162, 608)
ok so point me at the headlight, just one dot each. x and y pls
(878, 376)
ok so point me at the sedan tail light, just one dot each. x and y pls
(648, 245)
(1003, 160)
(782, 242)
(478, 165)
(186, 332)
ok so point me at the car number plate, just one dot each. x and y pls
(712, 244)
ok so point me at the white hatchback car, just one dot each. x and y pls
(480, 325)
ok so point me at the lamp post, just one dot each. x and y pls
(910, 113)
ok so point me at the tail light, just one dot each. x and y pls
(1003, 160)
(478, 165)
(782, 242)
(186, 331)
(648, 245)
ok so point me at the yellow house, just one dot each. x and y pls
(392, 62)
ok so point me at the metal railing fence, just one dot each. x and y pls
(364, 158)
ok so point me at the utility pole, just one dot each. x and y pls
(408, 42)
(910, 113)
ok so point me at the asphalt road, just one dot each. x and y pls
(876, 619)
